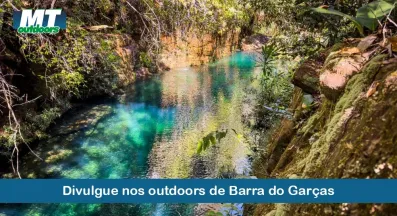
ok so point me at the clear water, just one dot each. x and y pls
(150, 133)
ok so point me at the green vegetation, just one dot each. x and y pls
(300, 31)
(369, 15)
(71, 67)
(193, 124)
(105, 42)
(214, 138)
(273, 87)
(329, 135)
(211, 139)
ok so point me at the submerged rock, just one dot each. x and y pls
(82, 119)
(57, 155)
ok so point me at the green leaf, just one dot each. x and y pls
(212, 138)
(221, 135)
(338, 13)
(206, 143)
(371, 14)
(307, 100)
(199, 147)
(235, 132)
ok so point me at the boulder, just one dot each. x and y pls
(339, 67)
(306, 77)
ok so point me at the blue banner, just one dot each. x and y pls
(60, 20)
(198, 191)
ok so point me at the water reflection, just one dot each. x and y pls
(115, 140)
(211, 100)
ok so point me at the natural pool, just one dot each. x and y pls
(150, 132)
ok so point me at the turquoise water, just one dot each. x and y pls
(139, 135)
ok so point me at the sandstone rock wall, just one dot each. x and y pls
(193, 49)
(127, 50)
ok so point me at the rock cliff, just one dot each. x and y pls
(193, 49)
(346, 133)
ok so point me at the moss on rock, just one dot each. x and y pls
(352, 137)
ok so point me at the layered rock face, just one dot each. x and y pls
(193, 49)
(347, 133)
(339, 67)
(127, 50)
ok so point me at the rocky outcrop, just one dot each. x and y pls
(254, 42)
(127, 50)
(342, 63)
(339, 67)
(350, 134)
(195, 49)
(306, 77)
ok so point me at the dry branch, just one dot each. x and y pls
(8, 96)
